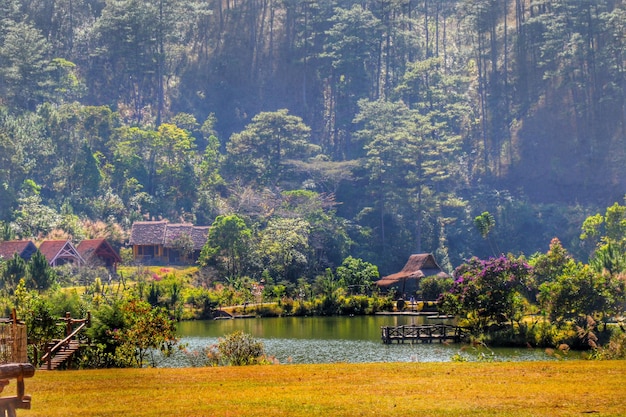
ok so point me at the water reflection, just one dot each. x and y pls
(332, 339)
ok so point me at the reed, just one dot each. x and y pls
(567, 388)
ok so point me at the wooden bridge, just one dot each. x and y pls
(425, 333)
(59, 353)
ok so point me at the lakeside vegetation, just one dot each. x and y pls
(548, 300)
(533, 389)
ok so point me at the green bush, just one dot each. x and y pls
(268, 310)
(615, 349)
(354, 305)
(239, 349)
(302, 308)
(380, 303)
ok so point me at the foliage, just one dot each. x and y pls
(13, 270)
(39, 273)
(37, 313)
(485, 223)
(356, 275)
(105, 319)
(580, 292)
(259, 152)
(486, 291)
(547, 267)
(238, 349)
(608, 232)
(227, 244)
(431, 288)
(283, 247)
(132, 330)
(615, 349)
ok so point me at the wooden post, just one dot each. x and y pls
(68, 323)
(17, 371)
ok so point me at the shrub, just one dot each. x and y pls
(355, 305)
(239, 349)
(615, 349)
(268, 310)
(432, 287)
(302, 308)
(380, 303)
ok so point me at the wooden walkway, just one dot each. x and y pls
(59, 353)
(424, 333)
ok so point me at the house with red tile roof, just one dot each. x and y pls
(60, 252)
(99, 252)
(24, 249)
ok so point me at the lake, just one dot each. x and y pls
(335, 339)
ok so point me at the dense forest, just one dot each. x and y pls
(372, 129)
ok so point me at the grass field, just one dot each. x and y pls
(569, 388)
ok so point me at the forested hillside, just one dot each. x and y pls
(374, 129)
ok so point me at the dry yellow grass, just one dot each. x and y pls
(570, 388)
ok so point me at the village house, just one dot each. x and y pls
(161, 241)
(60, 252)
(99, 252)
(24, 249)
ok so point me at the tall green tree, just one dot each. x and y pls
(228, 244)
(24, 66)
(581, 292)
(39, 273)
(13, 270)
(610, 228)
(329, 238)
(258, 153)
(351, 47)
(357, 275)
(283, 248)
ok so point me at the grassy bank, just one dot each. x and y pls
(399, 389)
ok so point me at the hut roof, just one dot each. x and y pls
(98, 247)
(24, 248)
(164, 233)
(148, 233)
(418, 266)
(198, 234)
(55, 250)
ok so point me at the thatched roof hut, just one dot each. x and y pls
(406, 281)
(157, 239)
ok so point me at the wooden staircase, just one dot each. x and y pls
(60, 352)
(61, 356)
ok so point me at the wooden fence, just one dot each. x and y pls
(13, 340)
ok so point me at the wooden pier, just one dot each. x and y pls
(424, 333)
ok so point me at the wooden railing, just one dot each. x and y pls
(70, 335)
(422, 333)
(17, 371)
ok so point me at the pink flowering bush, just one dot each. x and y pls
(488, 291)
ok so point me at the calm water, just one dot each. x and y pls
(333, 339)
